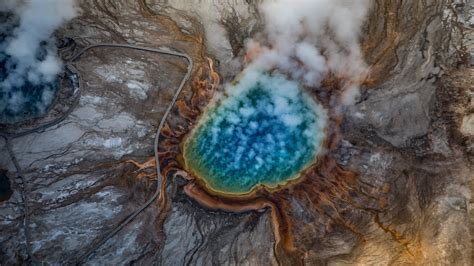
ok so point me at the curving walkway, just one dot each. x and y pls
(24, 188)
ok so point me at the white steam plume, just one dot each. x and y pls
(28, 51)
(308, 39)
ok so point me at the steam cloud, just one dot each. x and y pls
(258, 131)
(308, 39)
(28, 58)
(259, 127)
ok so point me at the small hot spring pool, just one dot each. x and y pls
(264, 131)
(21, 99)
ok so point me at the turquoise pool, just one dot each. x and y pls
(263, 131)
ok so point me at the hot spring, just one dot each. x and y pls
(22, 99)
(264, 131)
(28, 72)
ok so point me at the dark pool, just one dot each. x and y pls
(5, 186)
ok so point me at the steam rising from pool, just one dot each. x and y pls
(29, 64)
(264, 131)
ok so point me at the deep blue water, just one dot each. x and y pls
(24, 99)
(264, 132)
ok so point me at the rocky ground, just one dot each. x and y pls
(411, 135)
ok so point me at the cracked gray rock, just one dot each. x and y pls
(81, 186)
